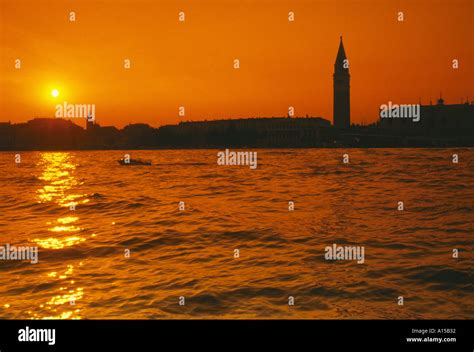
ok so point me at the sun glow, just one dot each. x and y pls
(55, 93)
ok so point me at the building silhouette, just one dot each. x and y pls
(341, 79)
(435, 119)
(89, 124)
(259, 132)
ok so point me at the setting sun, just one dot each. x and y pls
(55, 93)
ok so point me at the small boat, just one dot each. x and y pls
(131, 162)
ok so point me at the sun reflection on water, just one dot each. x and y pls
(67, 220)
(58, 171)
(56, 243)
(58, 174)
(65, 229)
(62, 305)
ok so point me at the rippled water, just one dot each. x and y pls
(190, 253)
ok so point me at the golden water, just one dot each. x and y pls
(190, 253)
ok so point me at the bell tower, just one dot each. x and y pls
(341, 78)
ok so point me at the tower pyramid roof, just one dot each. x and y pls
(341, 56)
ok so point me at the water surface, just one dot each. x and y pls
(190, 253)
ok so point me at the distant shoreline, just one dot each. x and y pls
(45, 134)
(221, 148)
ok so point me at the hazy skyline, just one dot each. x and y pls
(190, 63)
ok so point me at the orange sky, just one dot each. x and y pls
(190, 64)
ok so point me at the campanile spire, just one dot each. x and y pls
(341, 82)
